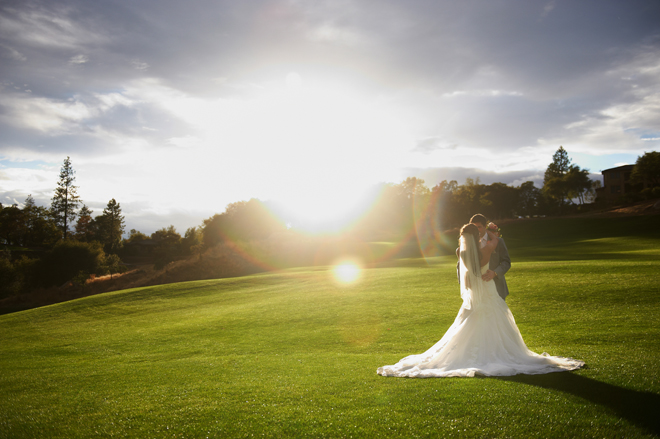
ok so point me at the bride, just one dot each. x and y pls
(484, 338)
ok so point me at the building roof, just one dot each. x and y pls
(619, 168)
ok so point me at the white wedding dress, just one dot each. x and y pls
(483, 340)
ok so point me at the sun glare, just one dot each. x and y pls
(317, 210)
(314, 148)
(330, 141)
(347, 272)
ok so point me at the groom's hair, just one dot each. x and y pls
(479, 218)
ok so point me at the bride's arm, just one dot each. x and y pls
(488, 249)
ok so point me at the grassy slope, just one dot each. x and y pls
(295, 353)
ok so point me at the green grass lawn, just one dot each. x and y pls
(294, 353)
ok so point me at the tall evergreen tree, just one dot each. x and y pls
(555, 185)
(30, 214)
(111, 226)
(560, 165)
(66, 200)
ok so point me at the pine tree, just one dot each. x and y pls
(40, 229)
(564, 181)
(65, 201)
(30, 212)
(111, 226)
(85, 226)
(554, 181)
(560, 165)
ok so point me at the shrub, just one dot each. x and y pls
(112, 265)
(7, 277)
(66, 260)
(650, 193)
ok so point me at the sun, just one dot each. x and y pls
(327, 143)
(311, 146)
(318, 210)
(347, 272)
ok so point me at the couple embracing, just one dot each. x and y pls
(484, 339)
(499, 261)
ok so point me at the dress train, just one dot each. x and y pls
(483, 340)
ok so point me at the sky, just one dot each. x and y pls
(177, 109)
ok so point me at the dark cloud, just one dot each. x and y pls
(439, 44)
(514, 43)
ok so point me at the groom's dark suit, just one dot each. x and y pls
(500, 262)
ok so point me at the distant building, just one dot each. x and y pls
(616, 183)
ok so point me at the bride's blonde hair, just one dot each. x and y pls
(470, 229)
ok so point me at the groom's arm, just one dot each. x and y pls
(505, 260)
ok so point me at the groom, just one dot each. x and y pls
(499, 262)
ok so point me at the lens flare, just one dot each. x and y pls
(347, 272)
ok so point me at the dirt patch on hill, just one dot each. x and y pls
(650, 207)
(645, 208)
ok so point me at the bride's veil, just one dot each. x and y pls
(469, 269)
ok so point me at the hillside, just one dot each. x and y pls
(223, 262)
(293, 353)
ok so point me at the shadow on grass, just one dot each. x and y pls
(639, 408)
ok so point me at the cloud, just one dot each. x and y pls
(148, 222)
(78, 59)
(43, 114)
(547, 9)
(430, 144)
(486, 93)
(433, 176)
(11, 53)
(90, 123)
(139, 65)
(41, 26)
(184, 142)
(16, 183)
(630, 121)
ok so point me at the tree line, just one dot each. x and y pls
(44, 247)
